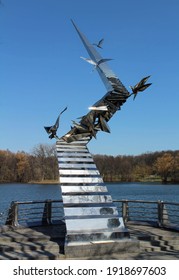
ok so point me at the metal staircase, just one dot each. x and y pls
(90, 213)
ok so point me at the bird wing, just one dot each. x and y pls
(48, 129)
(89, 60)
(100, 42)
(135, 94)
(63, 110)
(104, 60)
(142, 88)
(56, 125)
(144, 80)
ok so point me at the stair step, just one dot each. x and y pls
(175, 247)
(21, 238)
(160, 240)
(171, 238)
(148, 238)
(17, 247)
(31, 255)
(157, 246)
(146, 246)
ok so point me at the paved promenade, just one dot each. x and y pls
(47, 243)
(155, 244)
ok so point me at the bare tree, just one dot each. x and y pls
(46, 162)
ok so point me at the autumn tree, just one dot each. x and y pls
(141, 171)
(164, 165)
(7, 166)
(23, 167)
(175, 169)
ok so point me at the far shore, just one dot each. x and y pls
(45, 182)
(56, 182)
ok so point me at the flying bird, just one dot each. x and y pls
(141, 86)
(52, 130)
(99, 43)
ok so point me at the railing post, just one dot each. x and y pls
(125, 210)
(160, 213)
(12, 218)
(47, 214)
(165, 215)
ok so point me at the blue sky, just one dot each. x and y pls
(41, 71)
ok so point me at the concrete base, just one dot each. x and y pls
(100, 248)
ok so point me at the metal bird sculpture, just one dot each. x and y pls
(52, 130)
(141, 86)
(89, 60)
(103, 110)
(99, 43)
(96, 63)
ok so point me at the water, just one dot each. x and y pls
(137, 191)
(145, 191)
(26, 192)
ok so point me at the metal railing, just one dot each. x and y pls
(31, 213)
(46, 212)
(160, 213)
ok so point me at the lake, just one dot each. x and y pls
(137, 191)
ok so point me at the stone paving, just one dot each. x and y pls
(47, 242)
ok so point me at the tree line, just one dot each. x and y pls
(38, 166)
(41, 165)
(162, 166)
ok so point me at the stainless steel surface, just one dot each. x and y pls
(90, 213)
(84, 189)
(76, 165)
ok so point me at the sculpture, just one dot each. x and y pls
(52, 130)
(99, 44)
(89, 212)
(102, 111)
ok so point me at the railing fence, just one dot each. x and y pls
(31, 213)
(163, 214)
(46, 212)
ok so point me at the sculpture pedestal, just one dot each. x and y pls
(90, 214)
(101, 249)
